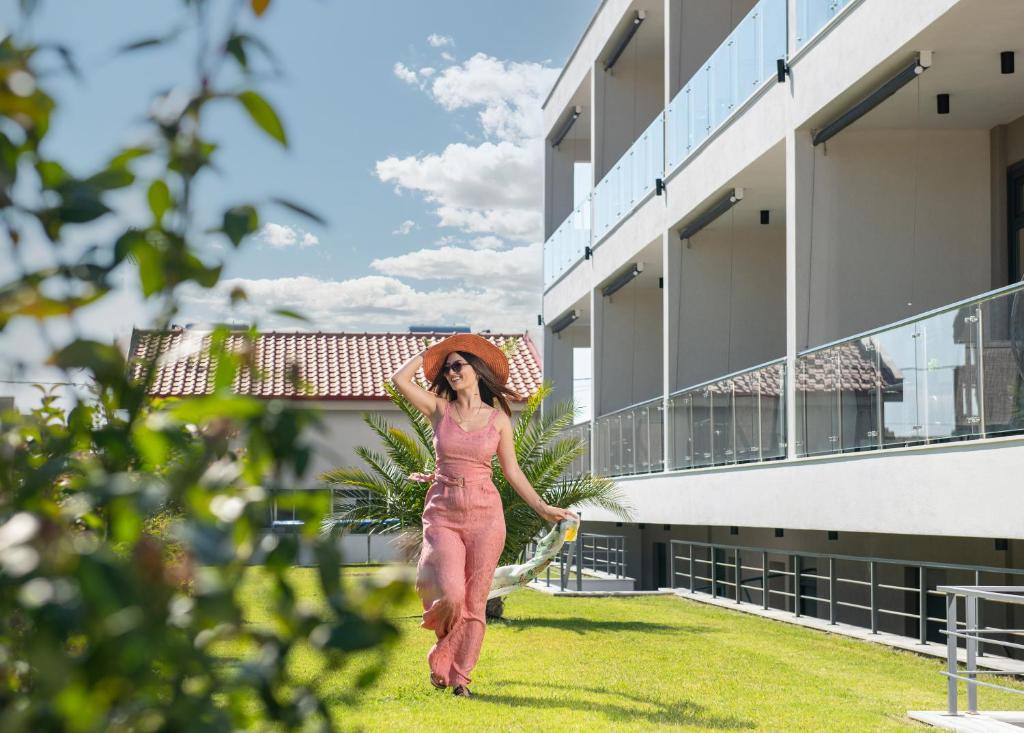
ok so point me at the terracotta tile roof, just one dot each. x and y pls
(335, 366)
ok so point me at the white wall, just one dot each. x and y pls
(730, 313)
(967, 489)
(900, 224)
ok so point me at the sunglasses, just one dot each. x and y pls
(455, 366)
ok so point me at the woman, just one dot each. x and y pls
(463, 519)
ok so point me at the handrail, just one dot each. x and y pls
(730, 375)
(973, 300)
(652, 400)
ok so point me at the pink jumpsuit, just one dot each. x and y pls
(463, 536)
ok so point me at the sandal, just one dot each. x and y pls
(437, 682)
(461, 691)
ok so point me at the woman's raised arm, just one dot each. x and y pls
(426, 402)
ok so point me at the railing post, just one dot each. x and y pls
(561, 569)
(977, 613)
(951, 682)
(832, 605)
(764, 580)
(922, 602)
(739, 570)
(672, 563)
(981, 372)
(796, 585)
(873, 573)
(714, 574)
(972, 652)
(579, 562)
(692, 585)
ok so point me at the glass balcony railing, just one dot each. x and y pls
(629, 441)
(630, 180)
(733, 73)
(812, 15)
(735, 419)
(581, 464)
(567, 245)
(953, 374)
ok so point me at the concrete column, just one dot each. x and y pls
(595, 375)
(799, 158)
(666, 341)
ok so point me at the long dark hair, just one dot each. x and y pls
(491, 392)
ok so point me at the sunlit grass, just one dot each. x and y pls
(631, 664)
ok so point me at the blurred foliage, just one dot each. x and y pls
(127, 523)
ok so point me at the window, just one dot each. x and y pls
(581, 378)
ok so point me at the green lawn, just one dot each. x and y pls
(637, 664)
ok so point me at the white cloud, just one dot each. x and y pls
(513, 269)
(281, 236)
(437, 41)
(371, 303)
(405, 227)
(404, 73)
(492, 188)
(447, 56)
(427, 71)
(486, 242)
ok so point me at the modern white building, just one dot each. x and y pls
(787, 236)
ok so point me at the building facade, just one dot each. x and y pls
(788, 236)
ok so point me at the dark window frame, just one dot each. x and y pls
(1014, 218)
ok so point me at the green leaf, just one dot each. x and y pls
(299, 210)
(239, 222)
(263, 115)
(103, 360)
(159, 196)
(51, 174)
(235, 48)
(110, 179)
(286, 313)
(126, 156)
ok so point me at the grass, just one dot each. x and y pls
(633, 664)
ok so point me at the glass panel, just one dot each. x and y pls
(701, 410)
(773, 35)
(700, 119)
(949, 380)
(682, 432)
(859, 394)
(747, 64)
(722, 94)
(628, 442)
(812, 15)
(630, 180)
(900, 361)
(1002, 358)
(771, 381)
(723, 448)
(566, 246)
(745, 388)
(817, 403)
(657, 443)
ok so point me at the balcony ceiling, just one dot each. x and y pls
(965, 66)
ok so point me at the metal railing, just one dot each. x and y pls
(629, 440)
(955, 373)
(736, 419)
(581, 464)
(904, 596)
(975, 635)
(604, 553)
(740, 65)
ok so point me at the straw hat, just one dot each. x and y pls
(491, 355)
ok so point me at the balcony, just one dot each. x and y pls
(732, 75)
(629, 441)
(740, 66)
(953, 374)
(813, 15)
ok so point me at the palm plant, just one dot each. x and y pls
(395, 502)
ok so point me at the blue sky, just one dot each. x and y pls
(414, 130)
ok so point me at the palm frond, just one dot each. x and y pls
(420, 424)
(400, 448)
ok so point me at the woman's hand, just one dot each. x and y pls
(554, 514)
